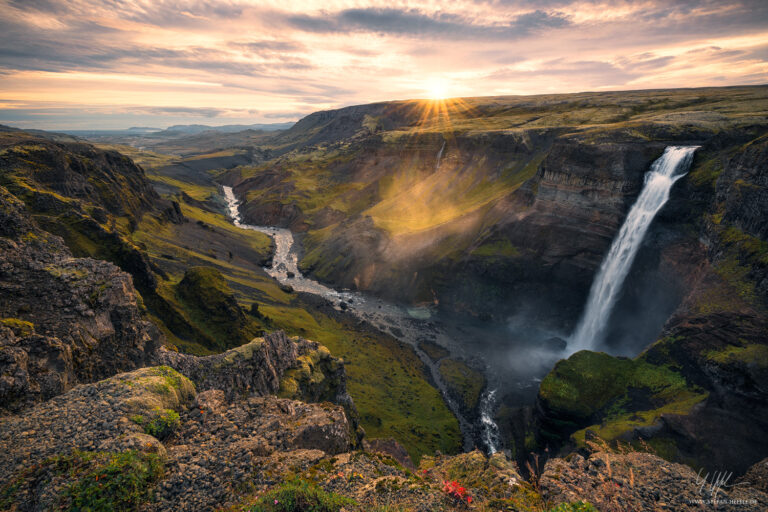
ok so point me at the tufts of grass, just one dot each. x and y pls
(92, 481)
(300, 496)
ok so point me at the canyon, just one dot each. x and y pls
(478, 225)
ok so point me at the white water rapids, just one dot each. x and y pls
(664, 172)
(408, 325)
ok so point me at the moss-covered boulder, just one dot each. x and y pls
(615, 397)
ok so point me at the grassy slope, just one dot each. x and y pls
(386, 379)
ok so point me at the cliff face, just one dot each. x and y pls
(710, 411)
(496, 203)
(64, 320)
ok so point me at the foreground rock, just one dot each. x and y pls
(212, 445)
(181, 449)
(641, 481)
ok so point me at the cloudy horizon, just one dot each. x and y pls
(112, 64)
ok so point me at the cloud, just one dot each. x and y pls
(187, 59)
(191, 111)
(592, 73)
(413, 22)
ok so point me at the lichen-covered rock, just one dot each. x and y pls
(254, 368)
(641, 481)
(218, 446)
(275, 364)
(104, 416)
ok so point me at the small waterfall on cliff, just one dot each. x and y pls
(439, 157)
(489, 431)
(664, 172)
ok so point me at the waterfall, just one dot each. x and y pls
(489, 430)
(664, 172)
(439, 157)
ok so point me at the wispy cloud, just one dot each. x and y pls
(413, 22)
(256, 60)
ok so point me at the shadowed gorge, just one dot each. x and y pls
(382, 299)
(368, 256)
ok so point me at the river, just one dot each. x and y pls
(409, 325)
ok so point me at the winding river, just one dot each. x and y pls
(409, 325)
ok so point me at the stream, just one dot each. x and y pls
(409, 325)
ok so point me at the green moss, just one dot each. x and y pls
(467, 383)
(588, 382)
(93, 481)
(752, 248)
(497, 249)
(300, 496)
(706, 171)
(753, 354)
(621, 394)
(621, 424)
(209, 303)
(159, 423)
(171, 377)
(574, 506)
(18, 326)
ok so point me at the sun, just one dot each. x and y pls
(437, 89)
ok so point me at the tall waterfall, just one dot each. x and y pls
(664, 172)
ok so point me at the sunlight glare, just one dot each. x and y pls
(437, 89)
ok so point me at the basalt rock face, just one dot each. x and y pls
(714, 341)
(76, 170)
(66, 320)
(559, 225)
(743, 187)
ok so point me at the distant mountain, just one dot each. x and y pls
(230, 128)
(102, 133)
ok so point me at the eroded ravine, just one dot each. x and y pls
(407, 325)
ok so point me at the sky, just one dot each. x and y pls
(112, 64)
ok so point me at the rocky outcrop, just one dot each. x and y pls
(641, 481)
(77, 171)
(65, 320)
(214, 447)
